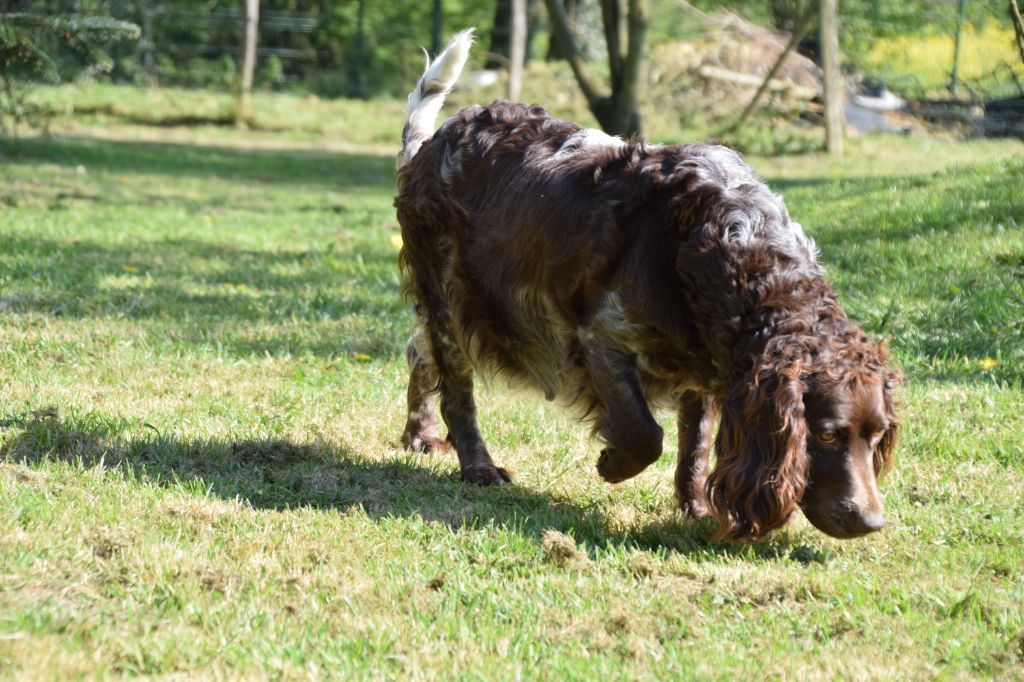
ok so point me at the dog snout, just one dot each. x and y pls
(865, 523)
(844, 521)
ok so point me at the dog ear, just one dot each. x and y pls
(762, 466)
(883, 454)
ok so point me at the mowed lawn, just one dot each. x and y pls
(202, 388)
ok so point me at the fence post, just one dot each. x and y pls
(517, 49)
(956, 48)
(832, 79)
(146, 46)
(251, 17)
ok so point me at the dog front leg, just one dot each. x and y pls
(626, 423)
(696, 422)
(458, 409)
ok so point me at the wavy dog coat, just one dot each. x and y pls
(619, 276)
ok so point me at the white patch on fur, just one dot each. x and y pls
(610, 322)
(581, 142)
(769, 222)
(420, 342)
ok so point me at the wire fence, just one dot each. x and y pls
(321, 46)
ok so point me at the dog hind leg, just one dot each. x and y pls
(420, 433)
(458, 407)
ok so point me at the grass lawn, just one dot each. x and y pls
(202, 388)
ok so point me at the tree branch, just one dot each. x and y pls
(799, 30)
(1018, 27)
(636, 23)
(611, 18)
(560, 24)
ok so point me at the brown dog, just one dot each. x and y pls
(622, 276)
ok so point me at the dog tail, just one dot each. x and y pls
(434, 85)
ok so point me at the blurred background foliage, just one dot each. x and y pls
(314, 45)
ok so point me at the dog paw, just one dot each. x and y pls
(485, 475)
(424, 442)
(612, 469)
(695, 509)
(691, 498)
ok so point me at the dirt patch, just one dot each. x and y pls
(107, 541)
(560, 549)
(200, 514)
(643, 566)
(23, 474)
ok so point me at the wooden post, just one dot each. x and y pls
(250, 17)
(146, 46)
(517, 49)
(955, 76)
(832, 79)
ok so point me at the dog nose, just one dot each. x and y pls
(867, 523)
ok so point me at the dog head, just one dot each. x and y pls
(813, 426)
(851, 432)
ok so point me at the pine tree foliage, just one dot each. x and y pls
(27, 45)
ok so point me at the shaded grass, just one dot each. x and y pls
(201, 390)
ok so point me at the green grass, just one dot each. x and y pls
(202, 387)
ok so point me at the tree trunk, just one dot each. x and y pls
(832, 79)
(435, 29)
(250, 17)
(955, 75)
(501, 36)
(557, 49)
(146, 46)
(616, 110)
(517, 49)
(357, 70)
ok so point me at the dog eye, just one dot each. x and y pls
(827, 436)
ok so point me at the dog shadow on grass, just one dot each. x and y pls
(282, 474)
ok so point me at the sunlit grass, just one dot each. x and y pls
(202, 388)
